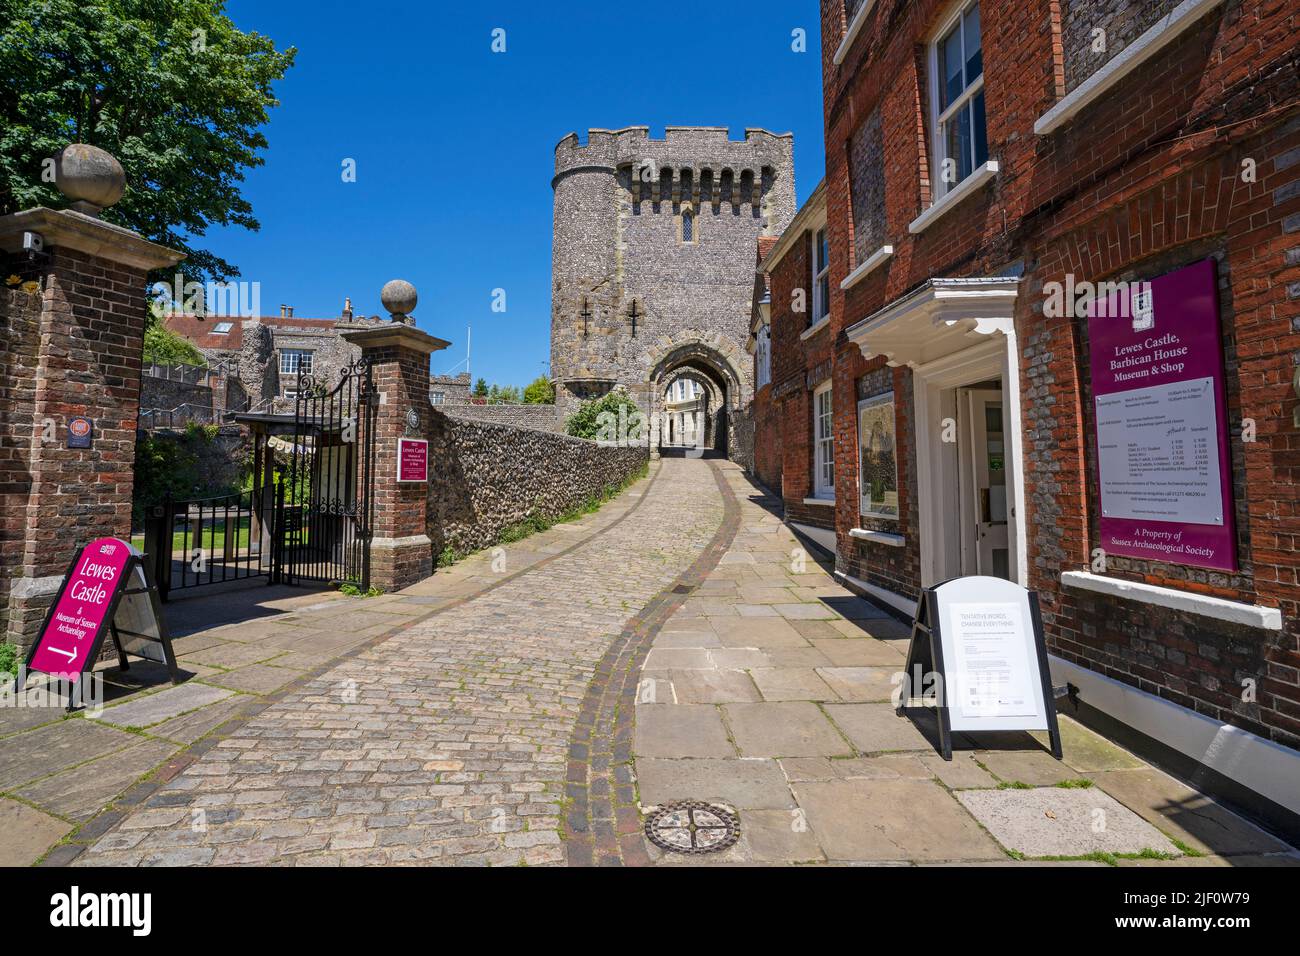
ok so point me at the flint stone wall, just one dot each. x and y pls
(541, 417)
(486, 477)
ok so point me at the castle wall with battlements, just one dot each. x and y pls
(653, 249)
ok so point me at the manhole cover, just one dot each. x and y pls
(692, 826)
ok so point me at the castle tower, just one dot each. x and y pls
(653, 261)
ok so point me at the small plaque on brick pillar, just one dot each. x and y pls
(412, 460)
(81, 431)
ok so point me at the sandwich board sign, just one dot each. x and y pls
(977, 650)
(106, 592)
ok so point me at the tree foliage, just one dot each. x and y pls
(169, 87)
(540, 392)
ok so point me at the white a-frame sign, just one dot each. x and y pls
(978, 656)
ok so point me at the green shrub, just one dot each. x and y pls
(162, 346)
(586, 422)
(167, 465)
(8, 661)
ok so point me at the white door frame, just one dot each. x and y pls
(937, 466)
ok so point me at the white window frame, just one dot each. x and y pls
(823, 445)
(438, 398)
(295, 367)
(886, 398)
(222, 328)
(938, 142)
(820, 309)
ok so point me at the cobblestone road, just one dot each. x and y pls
(448, 742)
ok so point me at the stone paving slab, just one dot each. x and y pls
(1054, 821)
(163, 705)
(190, 727)
(860, 684)
(78, 794)
(794, 729)
(878, 727)
(1180, 811)
(681, 730)
(25, 833)
(55, 747)
(892, 820)
(255, 679)
(1037, 768)
(743, 784)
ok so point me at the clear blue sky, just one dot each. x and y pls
(454, 144)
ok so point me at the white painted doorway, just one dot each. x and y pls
(982, 476)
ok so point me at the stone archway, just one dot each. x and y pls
(713, 360)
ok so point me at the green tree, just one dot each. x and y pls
(481, 388)
(587, 421)
(162, 346)
(169, 87)
(540, 392)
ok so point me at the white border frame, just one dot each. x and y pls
(817, 277)
(851, 34)
(883, 398)
(937, 464)
(1152, 40)
(820, 492)
(938, 188)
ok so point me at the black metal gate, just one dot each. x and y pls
(327, 496)
(211, 540)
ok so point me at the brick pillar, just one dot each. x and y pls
(81, 335)
(401, 552)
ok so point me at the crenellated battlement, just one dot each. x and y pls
(682, 147)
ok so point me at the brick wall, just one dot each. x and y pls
(1206, 161)
(90, 331)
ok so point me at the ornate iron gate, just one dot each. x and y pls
(327, 513)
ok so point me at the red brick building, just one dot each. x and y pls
(797, 444)
(967, 184)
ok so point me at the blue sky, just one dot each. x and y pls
(454, 144)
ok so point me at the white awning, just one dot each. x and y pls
(941, 317)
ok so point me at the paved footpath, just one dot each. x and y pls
(531, 705)
(768, 692)
(448, 742)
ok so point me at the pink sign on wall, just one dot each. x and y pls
(412, 459)
(1163, 467)
(69, 636)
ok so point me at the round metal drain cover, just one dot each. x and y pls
(692, 826)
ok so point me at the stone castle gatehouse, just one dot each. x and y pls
(653, 265)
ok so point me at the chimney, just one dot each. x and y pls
(347, 308)
(290, 312)
(284, 310)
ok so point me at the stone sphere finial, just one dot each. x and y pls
(399, 298)
(89, 176)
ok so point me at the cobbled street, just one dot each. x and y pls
(679, 644)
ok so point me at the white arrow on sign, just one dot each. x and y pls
(71, 655)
